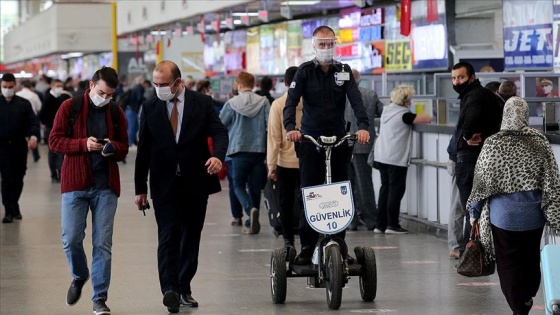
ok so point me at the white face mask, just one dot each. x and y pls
(100, 101)
(325, 55)
(547, 89)
(164, 92)
(8, 93)
(56, 92)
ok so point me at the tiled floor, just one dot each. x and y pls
(415, 276)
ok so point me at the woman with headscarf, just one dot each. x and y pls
(516, 192)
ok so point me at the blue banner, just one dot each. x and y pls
(528, 47)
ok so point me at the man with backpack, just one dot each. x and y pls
(90, 130)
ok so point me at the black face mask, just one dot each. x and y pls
(460, 88)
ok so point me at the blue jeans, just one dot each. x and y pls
(132, 125)
(249, 171)
(235, 205)
(75, 206)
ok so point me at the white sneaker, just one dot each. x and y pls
(378, 231)
(396, 231)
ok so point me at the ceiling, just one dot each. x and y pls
(298, 11)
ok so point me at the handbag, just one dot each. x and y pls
(473, 262)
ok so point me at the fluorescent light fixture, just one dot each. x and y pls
(245, 13)
(156, 33)
(300, 2)
(237, 22)
(71, 55)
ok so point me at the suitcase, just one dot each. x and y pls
(272, 206)
(550, 263)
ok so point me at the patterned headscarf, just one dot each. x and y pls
(516, 114)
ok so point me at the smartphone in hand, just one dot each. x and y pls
(101, 141)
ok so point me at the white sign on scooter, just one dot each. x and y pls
(329, 208)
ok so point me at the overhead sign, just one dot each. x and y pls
(263, 15)
(397, 55)
(528, 42)
(528, 46)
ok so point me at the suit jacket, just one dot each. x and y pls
(159, 154)
(374, 108)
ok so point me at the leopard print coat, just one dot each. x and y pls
(518, 158)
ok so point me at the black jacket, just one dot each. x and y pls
(17, 122)
(324, 100)
(480, 112)
(50, 107)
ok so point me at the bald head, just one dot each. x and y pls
(356, 75)
(168, 67)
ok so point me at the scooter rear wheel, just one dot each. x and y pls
(368, 278)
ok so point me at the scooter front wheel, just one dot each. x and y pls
(334, 277)
(278, 278)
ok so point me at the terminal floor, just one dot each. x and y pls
(415, 275)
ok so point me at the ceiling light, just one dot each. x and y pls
(246, 13)
(236, 22)
(300, 2)
(71, 55)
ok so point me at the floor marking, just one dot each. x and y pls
(477, 284)
(225, 235)
(255, 250)
(373, 310)
(384, 247)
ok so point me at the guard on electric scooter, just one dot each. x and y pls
(324, 85)
(328, 210)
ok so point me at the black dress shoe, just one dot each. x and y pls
(187, 299)
(18, 216)
(8, 219)
(171, 301)
(304, 258)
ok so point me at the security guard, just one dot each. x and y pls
(324, 85)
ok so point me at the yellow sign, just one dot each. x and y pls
(397, 55)
(346, 35)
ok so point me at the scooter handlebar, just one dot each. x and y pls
(324, 142)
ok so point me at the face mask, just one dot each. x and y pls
(164, 92)
(100, 101)
(56, 92)
(325, 55)
(8, 93)
(461, 87)
(547, 89)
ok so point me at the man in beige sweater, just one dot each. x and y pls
(283, 164)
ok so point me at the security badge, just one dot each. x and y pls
(340, 77)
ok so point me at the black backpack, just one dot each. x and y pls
(77, 107)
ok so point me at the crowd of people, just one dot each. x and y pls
(90, 126)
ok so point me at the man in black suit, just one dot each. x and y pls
(173, 148)
(19, 131)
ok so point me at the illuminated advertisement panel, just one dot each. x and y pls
(234, 57)
(295, 38)
(253, 50)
